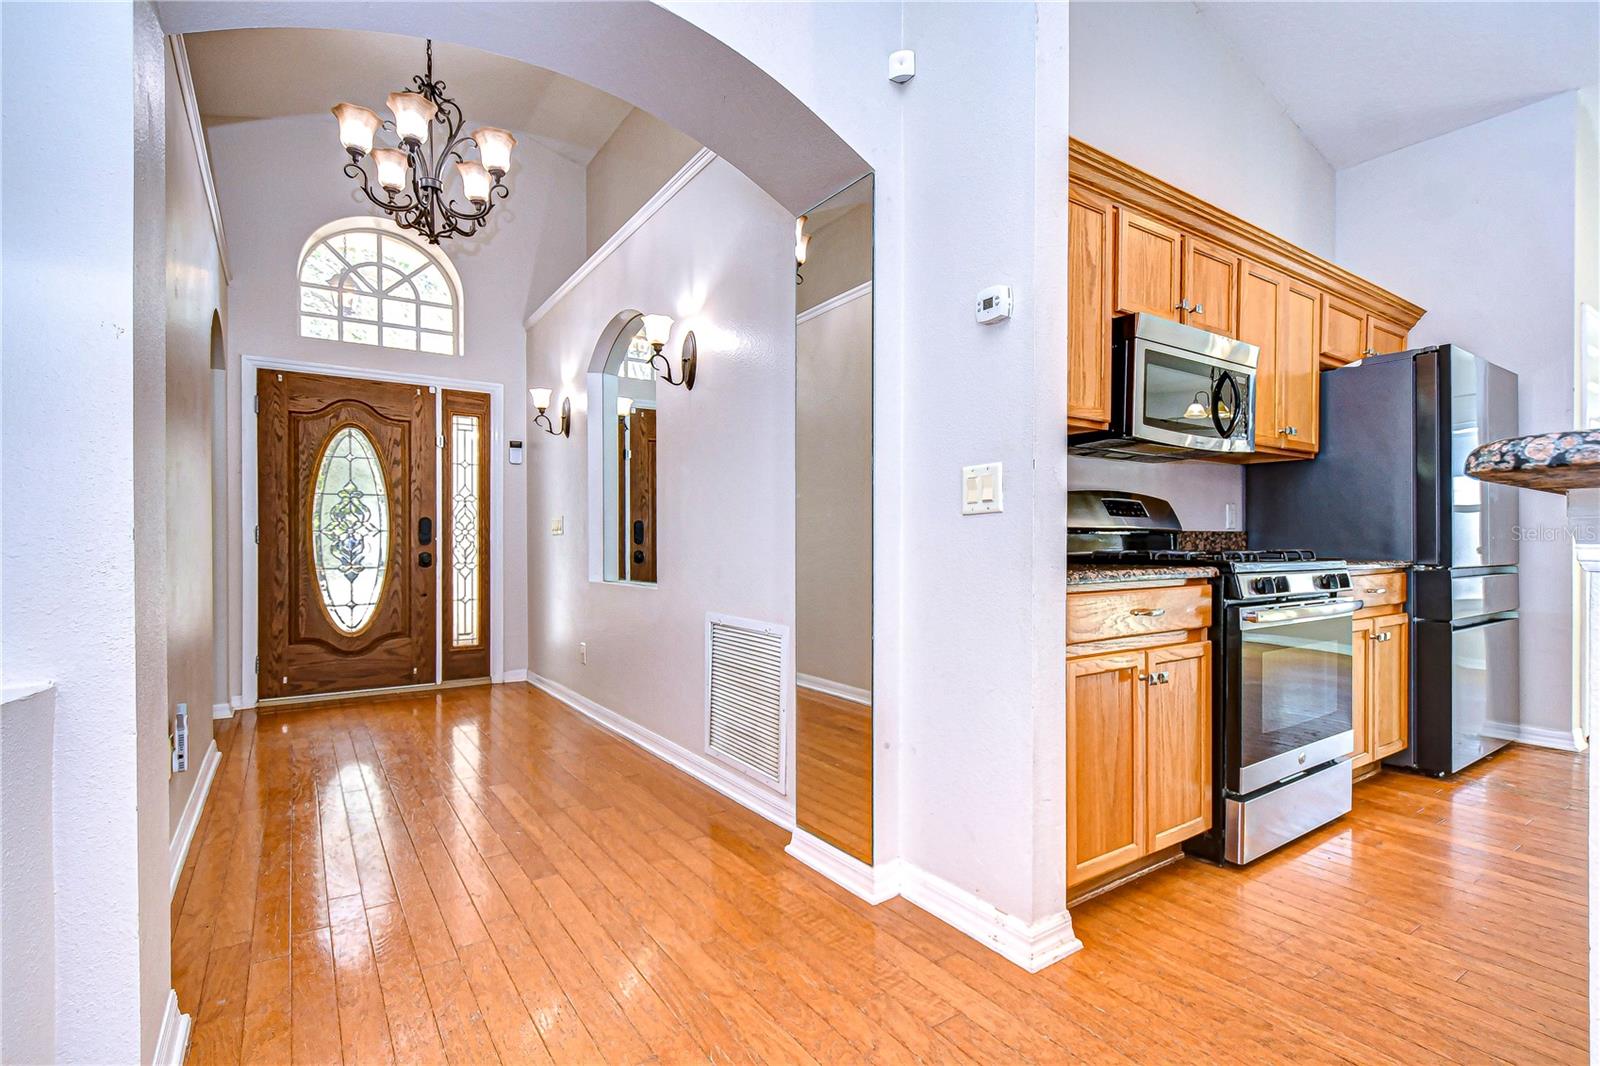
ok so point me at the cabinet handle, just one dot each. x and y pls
(1148, 612)
(1290, 431)
(1160, 678)
(1379, 591)
(1183, 305)
(1199, 309)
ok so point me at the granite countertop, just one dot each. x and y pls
(1111, 573)
(1369, 565)
(1553, 462)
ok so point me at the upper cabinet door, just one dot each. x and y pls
(1260, 321)
(1149, 266)
(1090, 232)
(1383, 337)
(1210, 286)
(1299, 368)
(1343, 331)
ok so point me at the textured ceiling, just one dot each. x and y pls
(269, 73)
(1363, 79)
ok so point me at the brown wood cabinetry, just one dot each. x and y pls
(1138, 725)
(1380, 688)
(1091, 226)
(1139, 245)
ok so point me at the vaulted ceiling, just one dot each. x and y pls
(1363, 79)
(241, 75)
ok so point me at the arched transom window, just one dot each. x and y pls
(367, 285)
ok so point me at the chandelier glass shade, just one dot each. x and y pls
(411, 181)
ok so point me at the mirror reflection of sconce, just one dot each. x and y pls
(802, 245)
(541, 402)
(624, 406)
(657, 328)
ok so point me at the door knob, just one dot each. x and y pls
(425, 560)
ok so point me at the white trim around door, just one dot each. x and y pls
(250, 505)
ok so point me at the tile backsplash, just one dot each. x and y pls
(1211, 540)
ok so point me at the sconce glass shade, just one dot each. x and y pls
(412, 114)
(474, 181)
(541, 399)
(391, 163)
(1197, 407)
(494, 148)
(624, 405)
(657, 328)
(802, 241)
(357, 125)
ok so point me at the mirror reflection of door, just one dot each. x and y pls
(629, 396)
(833, 521)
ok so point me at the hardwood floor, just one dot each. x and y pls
(833, 771)
(481, 875)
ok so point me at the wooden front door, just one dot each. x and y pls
(348, 534)
(642, 495)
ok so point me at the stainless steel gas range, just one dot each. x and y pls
(1282, 638)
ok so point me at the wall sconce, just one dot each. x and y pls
(657, 328)
(541, 401)
(624, 406)
(802, 245)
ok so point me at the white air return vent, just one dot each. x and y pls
(746, 695)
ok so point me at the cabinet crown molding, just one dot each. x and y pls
(1089, 167)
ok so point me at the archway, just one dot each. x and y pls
(677, 72)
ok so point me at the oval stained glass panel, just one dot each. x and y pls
(350, 529)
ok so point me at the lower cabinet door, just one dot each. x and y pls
(1391, 684)
(1105, 763)
(1361, 691)
(1178, 801)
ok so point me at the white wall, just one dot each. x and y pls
(716, 258)
(81, 518)
(533, 241)
(641, 155)
(1477, 227)
(1154, 85)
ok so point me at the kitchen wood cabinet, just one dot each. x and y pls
(1139, 719)
(1390, 722)
(1344, 330)
(1105, 763)
(1139, 245)
(1383, 337)
(1210, 286)
(1091, 231)
(1177, 744)
(1380, 690)
(1149, 270)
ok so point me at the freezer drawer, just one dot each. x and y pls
(1467, 678)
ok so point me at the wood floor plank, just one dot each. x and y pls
(481, 875)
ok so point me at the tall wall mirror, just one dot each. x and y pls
(628, 456)
(833, 520)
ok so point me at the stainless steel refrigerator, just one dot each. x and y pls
(1387, 483)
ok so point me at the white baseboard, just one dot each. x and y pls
(1560, 739)
(237, 703)
(1032, 946)
(183, 836)
(512, 677)
(221, 711)
(739, 789)
(173, 1043)
(875, 884)
(834, 688)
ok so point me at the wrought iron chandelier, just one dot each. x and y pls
(412, 176)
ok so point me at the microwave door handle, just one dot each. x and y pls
(1227, 378)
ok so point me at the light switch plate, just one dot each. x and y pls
(981, 489)
(555, 526)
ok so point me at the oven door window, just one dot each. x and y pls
(1186, 396)
(1295, 680)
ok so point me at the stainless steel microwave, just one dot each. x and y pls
(1177, 392)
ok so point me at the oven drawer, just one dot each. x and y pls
(1377, 590)
(1134, 612)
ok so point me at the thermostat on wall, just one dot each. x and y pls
(994, 304)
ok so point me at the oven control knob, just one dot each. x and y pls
(1280, 583)
(1261, 584)
(1327, 581)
